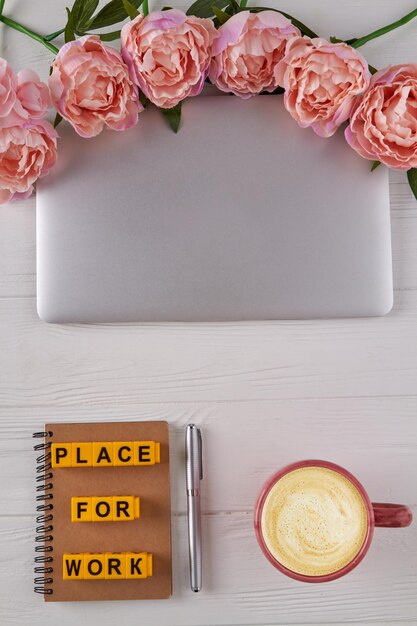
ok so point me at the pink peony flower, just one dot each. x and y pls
(33, 94)
(91, 87)
(321, 82)
(247, 51)
(168, 54)
(26, 153)
(11, 110)
(383, 124)
(8, 85)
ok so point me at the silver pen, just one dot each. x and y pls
(194, 474)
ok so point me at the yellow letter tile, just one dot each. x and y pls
(72, 567)
(115, 565)
(125, 508)
(102, 454)
(102, 508)
(82, 454)
(94, 566)
(145, 453)
(81, 509)
(138, 565)
(123, 453)
(61, 454)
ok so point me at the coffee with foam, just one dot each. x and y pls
(314, 521)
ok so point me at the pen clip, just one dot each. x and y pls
(200, 453)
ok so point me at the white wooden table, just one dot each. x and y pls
(264, 393)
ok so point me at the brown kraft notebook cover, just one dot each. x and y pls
(151, 532)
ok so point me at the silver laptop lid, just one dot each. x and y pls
(240, 216)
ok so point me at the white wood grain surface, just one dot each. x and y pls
(265, 394)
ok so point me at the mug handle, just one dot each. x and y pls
(392, 515)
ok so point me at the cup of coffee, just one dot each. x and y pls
(314, 521)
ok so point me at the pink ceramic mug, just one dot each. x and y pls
(378, 514)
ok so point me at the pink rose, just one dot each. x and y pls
(91, 87)
(321, 82)
(33, 94)
(383, 125)
(168, 54)
(26, 153)
(247, 51)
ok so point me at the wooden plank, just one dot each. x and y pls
(98, 365)
(17, 249)
(244, 443)
(240, 586)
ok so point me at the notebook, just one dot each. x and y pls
(103, 512)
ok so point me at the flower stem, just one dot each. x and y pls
(30, 33)
(145, 7)
(243, 3)
(385, 29)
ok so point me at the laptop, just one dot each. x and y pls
(242, 215)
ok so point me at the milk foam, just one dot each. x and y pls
(314, 521)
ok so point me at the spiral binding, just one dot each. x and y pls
(43, 560)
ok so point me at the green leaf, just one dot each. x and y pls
(82, 12)
(305, 30)
(78, 8)
(222, 17)
(112, 13)
(204, 8)
(375, 164)
(57, 120)
(54, 35)
(69, 34)
(232, 8)
(372, 69)
(412, 180)
(130, 9)
(173, 116)
(277, 92)
(166, 8)
(335, 40)
(115, 34)
(143, 99)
